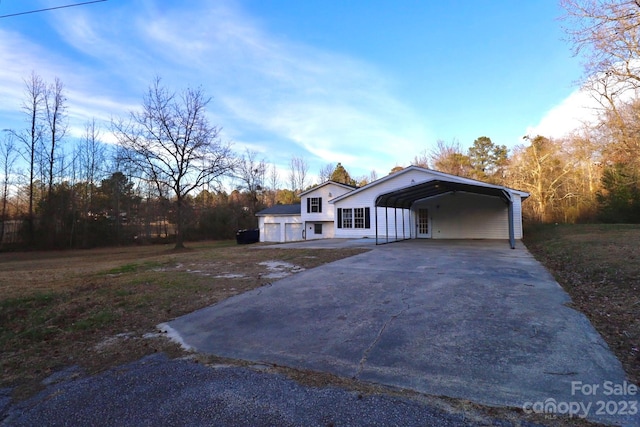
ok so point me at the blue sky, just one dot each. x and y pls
(370, 84)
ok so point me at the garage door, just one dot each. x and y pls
(292, 232)
(272, 232)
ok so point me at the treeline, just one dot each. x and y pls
(61, 192)
(163, 177)
(162, 181)
(589, 176)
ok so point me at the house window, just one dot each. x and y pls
(347, 218)
(314, 205)
(317, 228)
(354, 218)
(358, 218)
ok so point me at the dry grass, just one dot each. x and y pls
(599, 266)
(94, 308)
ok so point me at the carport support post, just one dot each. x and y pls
(376, 214)
(386, 222)
(395, 220)
(509, 200)
(512, 239)
(404, 236)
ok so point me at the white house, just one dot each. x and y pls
(412, 203)
(318, 214)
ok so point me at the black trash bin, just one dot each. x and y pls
(250, 235)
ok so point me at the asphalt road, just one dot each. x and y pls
(157, 391)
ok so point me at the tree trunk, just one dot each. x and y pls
(179, 224)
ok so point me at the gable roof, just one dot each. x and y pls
(439, 176)
(339, 184)
(293, 209)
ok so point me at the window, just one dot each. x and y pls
(358, 218)
(347, 218)
(354, 218)
(314, 205)
(317, 228)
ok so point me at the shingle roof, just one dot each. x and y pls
(293, 209)
(340, 184)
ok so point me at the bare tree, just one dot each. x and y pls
(30, 140)
(274, 178)
(91, 155)
(274, 183)
(251, 173)
(607, 34)
(8, 155)
(542, 169)
(172, 144)
(326, 172)
(422, 159)
(449, 158)
(298, 169)
(55, 115)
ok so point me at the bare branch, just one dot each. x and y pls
(171, 143)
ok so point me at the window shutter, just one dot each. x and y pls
(320, 204)
(367, 219)
(308, 204)
(339, 217)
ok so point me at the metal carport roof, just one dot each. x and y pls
(405, 197)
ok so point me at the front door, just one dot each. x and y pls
(423, 228)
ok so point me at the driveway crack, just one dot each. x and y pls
(365, 355)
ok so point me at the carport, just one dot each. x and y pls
(405, 198)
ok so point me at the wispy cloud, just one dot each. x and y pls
(272, 94)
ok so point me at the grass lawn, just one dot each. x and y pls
(98, 308)
(599, 266)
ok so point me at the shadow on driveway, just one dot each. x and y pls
(467, 319)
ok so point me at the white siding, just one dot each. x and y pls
(517, 215)
(394, 223)
(327, 192)
(367, 198)
(327, 229)
(467, 216)
(273, 227)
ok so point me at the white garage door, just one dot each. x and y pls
(292, 232)
(272, 232)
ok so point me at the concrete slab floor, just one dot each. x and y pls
(467, 319)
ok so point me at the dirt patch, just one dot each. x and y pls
(98, 308)
(599, 267)
(280, 269)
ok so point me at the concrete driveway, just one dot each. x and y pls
(467, 319)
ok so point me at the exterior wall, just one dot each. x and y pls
(393, 223)
(328, 212)
(467, 216)
(367, 198)
(517, 216)
(282, 220)
(327, 229)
